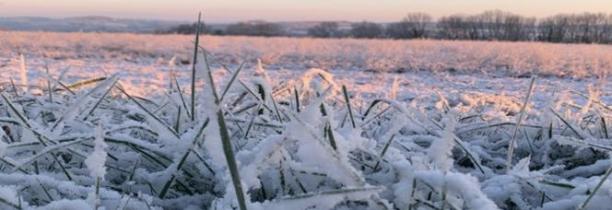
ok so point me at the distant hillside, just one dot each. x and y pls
(84, 24)
(108, 24)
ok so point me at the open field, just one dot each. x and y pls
(508, 58)
(320, 124)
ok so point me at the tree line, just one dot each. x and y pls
(488, 25)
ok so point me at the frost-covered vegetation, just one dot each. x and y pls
(243, 137)
(108, 51)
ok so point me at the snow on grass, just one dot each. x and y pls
(313, 139)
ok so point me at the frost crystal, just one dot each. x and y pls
(96, 160)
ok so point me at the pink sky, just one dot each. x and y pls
(279, 10)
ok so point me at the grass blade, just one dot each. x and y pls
(382, 153)
(183, 159)
(232, 80)
(180, 93)
(604, 127)
(84, 83)
(348, 105)
(171, 130)
(512, 141)
(569, 125)
(228, 150)
(603, 179)
(193, 67)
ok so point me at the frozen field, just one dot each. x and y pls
(428, 127)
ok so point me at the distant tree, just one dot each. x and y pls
(453, 27)
(554, 29)
(255, 28)
(414, 25)
(366, 30)
(489, 25)
(325, 29)
(187, 29)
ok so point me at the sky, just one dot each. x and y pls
(290, 10)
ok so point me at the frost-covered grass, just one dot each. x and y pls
(505, 58)
(299, 139)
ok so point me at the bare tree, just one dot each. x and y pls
(414, 25)
(488, 25)
(453, 27)
(255, 28)
(325, 29)
(366, 30)
(186, 29)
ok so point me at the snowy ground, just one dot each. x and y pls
(437, 138)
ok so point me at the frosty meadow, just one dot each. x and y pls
(125, 121)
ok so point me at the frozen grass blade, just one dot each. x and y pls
(249, 91)
(49, 90)
(23, 73)
(80, 84)
(232, 80)
(329, 132)
(180, 93)
(278, 115)
(348, 105)
(382, 153)
(604, 127)
(193, 68)
(231, 160)
(14, 87)
(15, 206)
(371, 107)
(45, 190)
(251, 122)
(171, 130)
(512, 141)
(603, 179)
(183, 159)
(177, 123)
(297, 100)
(48, 150)
(97, 192)
(38, 136)
(334, 192)
(568, 124)
(64, 86)
(81, 101)
(228, 150)
(90, 112)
